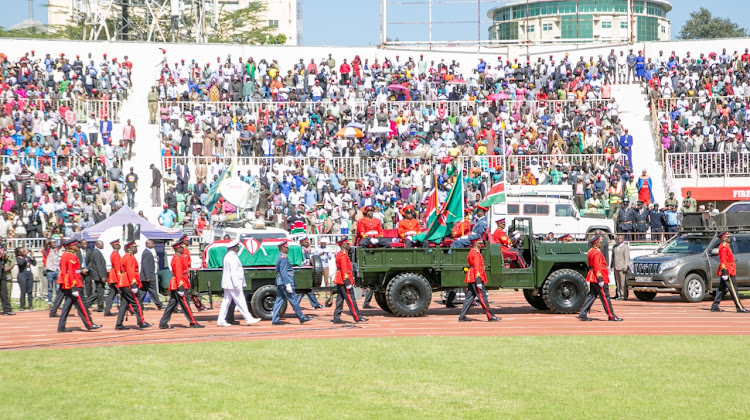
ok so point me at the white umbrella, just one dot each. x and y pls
(355, 124)
(379, 130)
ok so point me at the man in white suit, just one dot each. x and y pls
(233, 283)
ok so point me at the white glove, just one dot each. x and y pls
(601, 284)
(374, 241)
(75, 293)
(409, 237)
(479, 285)
(181, 293)
(349, 286)
(289, 288)
(134, 290)
(725, 277)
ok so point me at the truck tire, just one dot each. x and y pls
(382, 302)
(535, 301)
(261, 303)
(564, 291)
(408, 295)
(317, 270)
(694, 289)
(644, 296)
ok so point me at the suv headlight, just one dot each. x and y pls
(669, 264)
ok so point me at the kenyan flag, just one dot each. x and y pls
(495, 195)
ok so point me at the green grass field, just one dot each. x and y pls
(384, 378)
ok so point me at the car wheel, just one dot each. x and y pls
(564, 291)
(644, 296)
(382, 301)
(694, 289)
(408, 295)
(317, 269)
(261, 303)
(535, 301)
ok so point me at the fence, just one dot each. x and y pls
(693, 102)
(83, 107)
(708, 164)
(35, 163)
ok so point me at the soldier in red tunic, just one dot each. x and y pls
(177, 287)
(194, 297)
(499, 236)
(598, 276)
(71, 286)
(370, 230)
(344, 281)
(114, 275)
(129, 283)
(727, 273)
(476, 278)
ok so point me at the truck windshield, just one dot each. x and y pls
(686, 245)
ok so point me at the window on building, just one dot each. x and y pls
(547, 27)
(663, 29)
(577, 27)
(273, 23)
(621, 6)
(531, 28)
(623, 25)
(566, 7)
(648, 28)
(507, 30)
(606, 24)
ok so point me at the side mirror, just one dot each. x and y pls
(715, 251)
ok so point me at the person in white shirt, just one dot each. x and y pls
(233, 282)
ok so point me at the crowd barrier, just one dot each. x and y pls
(34, 163)
(82, 108)
(668, 104)
(708, 164)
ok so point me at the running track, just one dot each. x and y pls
(664, 316)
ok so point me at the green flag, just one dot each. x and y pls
(213, 195)
(450, 213)
(495, 195)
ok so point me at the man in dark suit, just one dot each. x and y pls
(183, 177)
(170, 199)
(88, 285)
(155, 186)
(99, 215)
(148, 275)
(97, 273)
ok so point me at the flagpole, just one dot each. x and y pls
(463, 195)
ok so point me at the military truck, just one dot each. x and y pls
(687, 264)
(404, 279)
(260, 274)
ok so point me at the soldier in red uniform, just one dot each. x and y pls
(727, 272)
(344, 281)
(129, 283)
(195, 298)
(476, 279)
(598, 276)
(408, 227)
(71, 286)
(499, 236)
(177, 286)
(463, 227)
(114, 275)
(370, 230)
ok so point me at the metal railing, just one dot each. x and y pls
(37, 162)
(82, 107)
(708, 164)
(667, 104)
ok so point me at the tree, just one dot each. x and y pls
(703, 25)
(245, 26)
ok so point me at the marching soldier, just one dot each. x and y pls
(71, 286)
(727, 273)
(476, 278)
(598, 276)
(114, 276)
(129, 284)
(177, 286)
(188, 261)
(640, 216)
(285, 288)
(344, 281)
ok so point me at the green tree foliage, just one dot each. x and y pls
(245, 26)
(703, 25)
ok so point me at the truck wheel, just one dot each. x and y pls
(644, 296)
(694, 289)
(382, 301)
(408, 295)
(564, 291)
(317, 269)
(535, 301)
(261, 303)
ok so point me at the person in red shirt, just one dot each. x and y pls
(344, 281)
(408, 227)
(344, 70)
(114, 276)
(71, 287)
(598, 276)
(129, 283)
(476, 279)
(177, 286)
(727, 272)
(370, 230)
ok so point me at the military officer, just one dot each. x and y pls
(656, 222)
(477, 232)
(344, 281)
(129, 284)
(408, 227)
(177, 286)
(640, 215)
(476, 279)
(499, 236)
(625, 219)
(194, 296)
(71, 287)
(285, 287)
(598, 276)
(727, 272)
(114, 276)
(370, 230)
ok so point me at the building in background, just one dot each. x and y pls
(552, 21)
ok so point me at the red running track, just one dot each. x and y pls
(664, 316)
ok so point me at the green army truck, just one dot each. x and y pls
(260, 275)
(404, 279)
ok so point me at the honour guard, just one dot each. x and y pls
(598, 276)
(188, 261)
(727, 273)
(476, 279)
(114, 277)
(129, 284)
(71, 286)
(285, 287)
(177, 286)
(344, 281)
